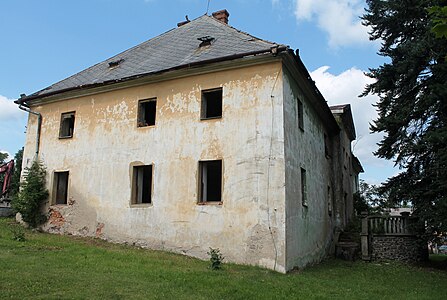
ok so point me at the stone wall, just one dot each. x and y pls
(396, 247)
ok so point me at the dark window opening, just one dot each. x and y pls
(142, 185)
(147, 110)
(210, 180)
(329, 200)
(326, 146)
(67, 125)
(345, 157)
(211, 106)
(116, 63)
(300, 115)
(304, 187)
(61, 187)
(205, 40)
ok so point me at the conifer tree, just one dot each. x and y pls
(33, 193)
(412, 106)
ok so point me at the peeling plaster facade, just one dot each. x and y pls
(262, 218)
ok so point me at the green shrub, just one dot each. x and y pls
(18, 233)
(216, 258)
(33, 193)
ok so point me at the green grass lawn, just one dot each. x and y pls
(62, 267)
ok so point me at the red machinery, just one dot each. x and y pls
(6, 170)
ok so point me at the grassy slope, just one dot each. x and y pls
(50, 266)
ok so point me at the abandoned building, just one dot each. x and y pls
(204, 136)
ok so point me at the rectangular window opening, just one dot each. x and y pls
(300, 115)
(210, 181)
(147, 110)
(67, 125)
(61, 187)
(329, 200)
(303, 187)
(326, 146)
(211, 106)
(142, 185)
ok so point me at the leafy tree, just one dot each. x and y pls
(438, 15)
(412, 106)
(32, 195)
(3, 157)
(15, 180)
(371, 198)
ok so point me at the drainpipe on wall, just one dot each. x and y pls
(39, 125)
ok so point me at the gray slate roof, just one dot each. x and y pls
(175, 48)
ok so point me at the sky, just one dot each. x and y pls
(45, 41)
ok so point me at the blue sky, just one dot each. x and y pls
(42, 42)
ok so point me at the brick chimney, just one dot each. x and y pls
(222, 15)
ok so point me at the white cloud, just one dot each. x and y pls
(345, 88)
(9, 110)
(12, 126)
(9, 155)
(338, 18)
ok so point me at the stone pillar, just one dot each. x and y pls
(364, 237)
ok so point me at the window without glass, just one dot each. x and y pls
(303, 187)
(300, 114)
(142, 184)
(210, 181)
(329, 200)
(326, 146)
(147, 110)
(60, 187)
(67, 125)
(211, 106)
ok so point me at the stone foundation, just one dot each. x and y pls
(401, 248)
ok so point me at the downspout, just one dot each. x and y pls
(39, 125)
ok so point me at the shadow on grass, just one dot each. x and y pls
(436, 261)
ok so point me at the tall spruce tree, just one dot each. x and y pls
(412, 106)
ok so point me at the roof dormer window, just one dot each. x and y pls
(115, 63)
(206, 40)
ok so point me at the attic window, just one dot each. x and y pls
(205, 40)
(116, 63)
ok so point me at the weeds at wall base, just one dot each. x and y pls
(216, 258)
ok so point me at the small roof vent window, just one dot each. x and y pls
(206, 40)
(115, 63)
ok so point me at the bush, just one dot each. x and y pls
(216, 258)
(33, 193)
(18, 233)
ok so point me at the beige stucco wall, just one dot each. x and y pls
(309, 229)
(106, 143)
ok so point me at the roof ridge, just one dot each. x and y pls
(240, 31)
(172, 48)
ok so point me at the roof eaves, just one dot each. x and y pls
(344, 110)
(320, 103)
